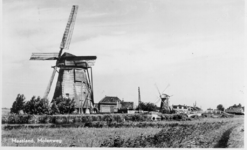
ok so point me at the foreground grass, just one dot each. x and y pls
(206, 132)
(82, 137)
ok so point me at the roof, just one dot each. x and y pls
(129, 105)
(110, 99)
(68, 56)
(69, 60)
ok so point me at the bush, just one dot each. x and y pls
(45, 119)
(86, 119)
(70, 119)
(4, 119)
(78, 119)
(95, 118)
(18, 104)
(60, 119)
(12, 119)
(22, 119)
(32, 119)
(118, 118)
(128, 118)
(107, 118)
(62, 105)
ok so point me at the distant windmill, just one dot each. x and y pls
(73, 78)
(164, 105)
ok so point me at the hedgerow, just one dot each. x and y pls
(68, 119)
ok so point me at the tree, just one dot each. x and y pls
(18, 104)
(147, 106)
(220, 107)
(151, 107)
(37, 106)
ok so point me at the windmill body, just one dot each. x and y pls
(164, 105)
(74, 79)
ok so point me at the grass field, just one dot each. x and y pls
(83, 137)
(206, 132)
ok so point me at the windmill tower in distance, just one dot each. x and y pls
(74, 79)
(164, 105)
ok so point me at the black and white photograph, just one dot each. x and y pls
(123, 73)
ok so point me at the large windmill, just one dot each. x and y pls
(74, 79)
(164, 105)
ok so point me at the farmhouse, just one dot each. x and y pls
(235, 110)
(111, 104)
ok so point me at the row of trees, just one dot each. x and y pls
(39, 106)
(221, 107)
(59, 105)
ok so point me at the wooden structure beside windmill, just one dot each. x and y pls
(75, 78)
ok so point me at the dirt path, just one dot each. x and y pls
(224, 139)
(233, 137)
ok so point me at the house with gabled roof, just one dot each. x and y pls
(111, 104)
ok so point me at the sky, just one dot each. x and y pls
(193, 47)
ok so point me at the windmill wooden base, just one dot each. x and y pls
(75, 80)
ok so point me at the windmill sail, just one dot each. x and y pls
(69, 28)
(44, 56)
(65, 43)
